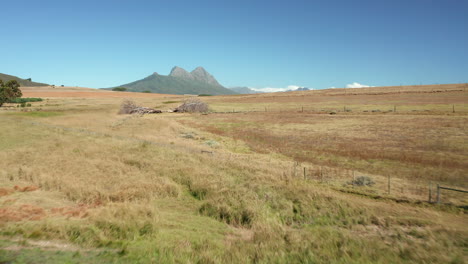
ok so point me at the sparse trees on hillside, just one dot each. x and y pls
(120, 89)
(9, 91)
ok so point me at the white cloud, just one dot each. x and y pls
(274, 90)
(293, 87)
(357, 85)
(269, 89)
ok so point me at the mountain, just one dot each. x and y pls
(299, 89)
(247, 90)
(22, 82)
(179, 81)
(243, 90)
(202, 75)
(180, 73)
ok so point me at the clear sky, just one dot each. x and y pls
(317, 44)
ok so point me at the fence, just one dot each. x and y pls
(438, 199)
(402, 109)
(377, 185)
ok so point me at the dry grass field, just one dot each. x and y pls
(269, 183)
(81, 92)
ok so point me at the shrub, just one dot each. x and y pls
(25, 100)
(9, 91)
(363, 181)
(120, 89)
(146, 91)
(127, 107)
(193, 105)
(170, 102)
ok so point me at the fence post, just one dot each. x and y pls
(388, 184)
(305, 174)
(438, 193)
(430, 192)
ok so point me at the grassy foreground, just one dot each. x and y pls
(80, 184)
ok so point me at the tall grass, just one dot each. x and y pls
(154, 196)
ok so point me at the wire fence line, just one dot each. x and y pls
(295, 171)
(397, 109)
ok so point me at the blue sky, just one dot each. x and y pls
(317, 44)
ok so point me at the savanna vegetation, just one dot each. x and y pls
(82, 184)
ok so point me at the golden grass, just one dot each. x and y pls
(223, 188)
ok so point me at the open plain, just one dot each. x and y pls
(262, 178)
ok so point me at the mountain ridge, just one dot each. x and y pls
(179, 81)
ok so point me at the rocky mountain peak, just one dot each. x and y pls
(180, 72)
(201, 74)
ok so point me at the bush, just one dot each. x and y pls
(24, 100)
(363, 181)
(120, 89)
(146, 91)
(192, 105)
(9, 91)
(127, 107)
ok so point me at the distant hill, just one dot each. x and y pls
(243, 90)
(23, 82)
(299, 89)
(179, 81)
(247, 90)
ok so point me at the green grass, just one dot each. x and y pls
(58, 257)
(37, 114)
(25, 100)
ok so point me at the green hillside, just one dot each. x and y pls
(23, 82)
(179, 82)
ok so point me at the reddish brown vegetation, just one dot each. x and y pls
(33, 212)
(79, 211)
(22, 212)
(26, 188)
(416, 147)
(5, 192)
